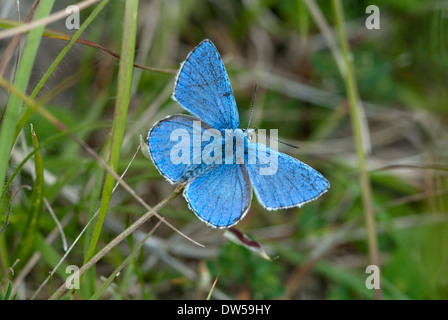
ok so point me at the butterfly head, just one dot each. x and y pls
(249, 133)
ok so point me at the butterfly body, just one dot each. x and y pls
(216, 161)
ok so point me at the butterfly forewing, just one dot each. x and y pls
(169, 138)
(203, 88)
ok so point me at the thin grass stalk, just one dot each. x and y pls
(125, 262)
(11, 115)
(92, 261)
(356, 121)
(27, 111)
(43, 20)
(58, 35)
(54, 121)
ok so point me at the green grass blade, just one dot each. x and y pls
(27, 240)
(121, 109)
(21, 80)
(27, 112)
(8, 292)
(88, 287)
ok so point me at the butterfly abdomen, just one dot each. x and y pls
(195, 171)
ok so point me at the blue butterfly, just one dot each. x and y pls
(220, 192)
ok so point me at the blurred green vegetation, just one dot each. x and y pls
(318, 251)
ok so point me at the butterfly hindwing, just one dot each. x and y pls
(286, 182)
(203, 88)
(222, 196)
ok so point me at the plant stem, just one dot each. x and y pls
(12, 109)
(27, 111)
(120, 114)
(46, 19)
(357, 123)
(62, 289)
(125, 262)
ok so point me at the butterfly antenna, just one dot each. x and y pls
(282, 142)
(253, 105)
